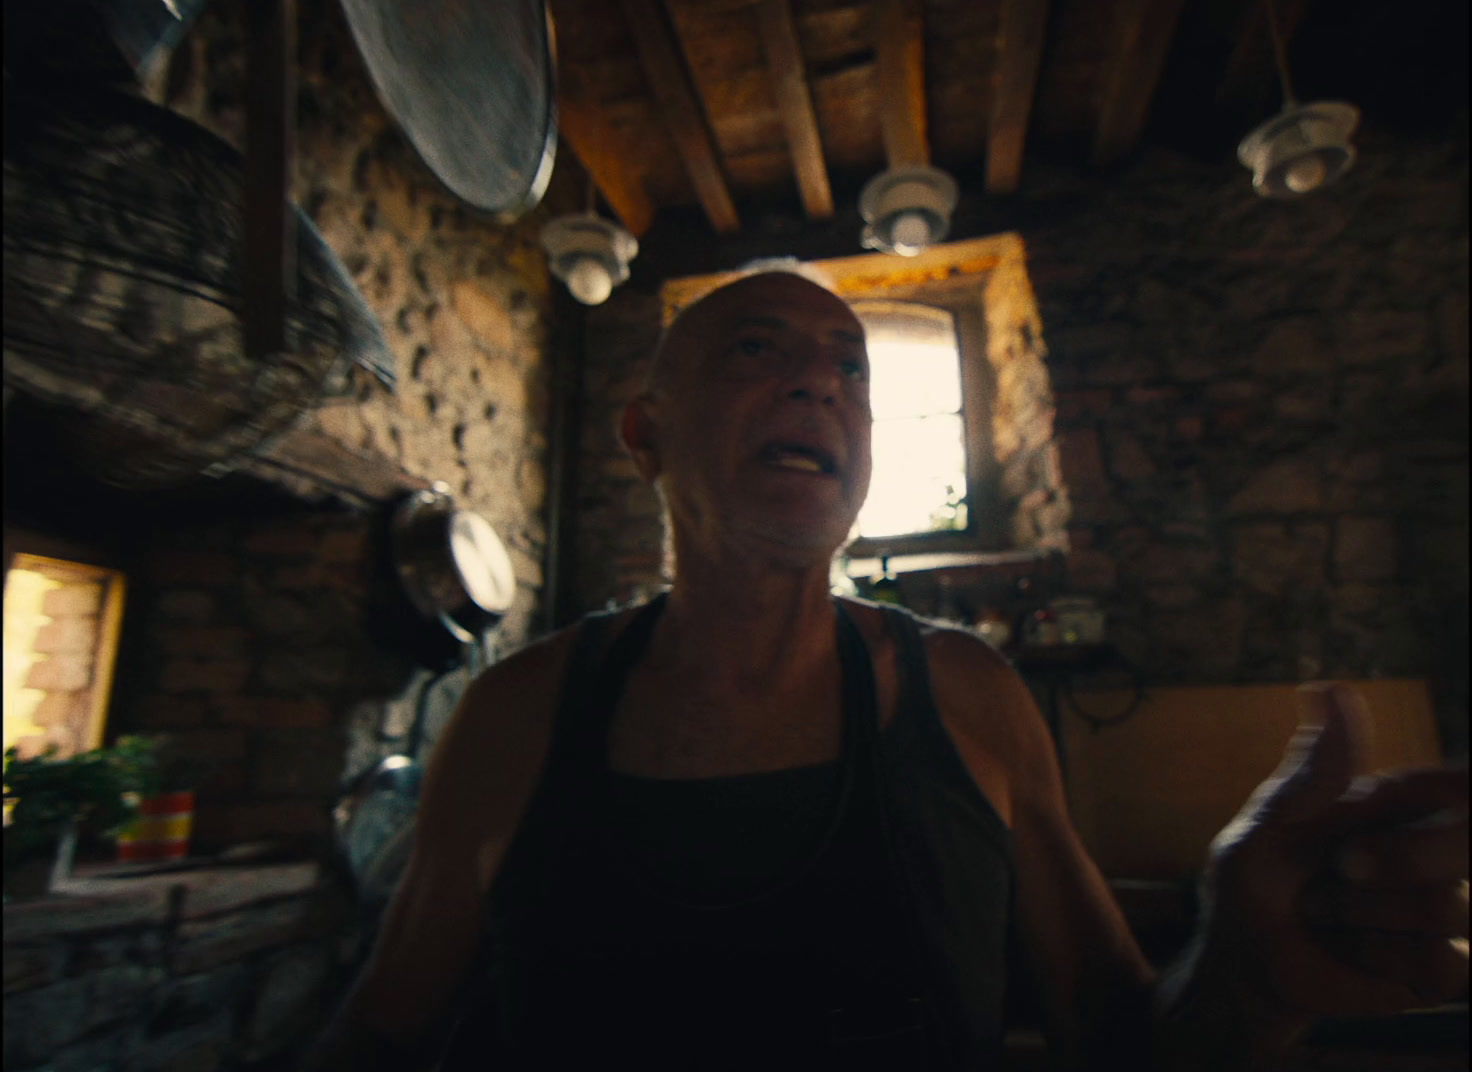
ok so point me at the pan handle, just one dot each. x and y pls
(472, 662)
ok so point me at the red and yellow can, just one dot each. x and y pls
(161, 830)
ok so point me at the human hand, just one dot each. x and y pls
(1338, 894)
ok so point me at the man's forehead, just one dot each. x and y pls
(777, 299)
(782, 299)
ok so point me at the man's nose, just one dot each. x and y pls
(815, 376)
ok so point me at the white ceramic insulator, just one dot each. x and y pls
(589, 281)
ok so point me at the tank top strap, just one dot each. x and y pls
(919, 733)
(582, 663)
(860, 711)
(916, 716)
(598, 672)
(954, 852)
(595, 678)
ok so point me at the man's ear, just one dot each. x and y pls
(638, 430)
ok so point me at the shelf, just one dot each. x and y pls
(1060, 658)
(104, 898)
(924, 561)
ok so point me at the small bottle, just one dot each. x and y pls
(886, 587)
(945, 603)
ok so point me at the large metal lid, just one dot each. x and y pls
(472, 87)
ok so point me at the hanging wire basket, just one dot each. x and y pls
(122, 287)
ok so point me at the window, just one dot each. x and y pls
(965, 464)
(62, 621)
(919, 482)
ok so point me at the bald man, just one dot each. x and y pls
(750, 825)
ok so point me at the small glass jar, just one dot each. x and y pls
(1080, 619)
(1042, 628)
(994, 628)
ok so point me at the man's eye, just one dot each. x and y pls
(752, 347)
(855, 370)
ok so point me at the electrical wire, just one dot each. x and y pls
(1097, 723)
(1280, 55)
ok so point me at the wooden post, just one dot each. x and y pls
(269, 257)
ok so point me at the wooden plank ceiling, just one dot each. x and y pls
(741, 105)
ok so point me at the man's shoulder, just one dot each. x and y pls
(969, 677)
(506, 715)
(956, 651)
(546, 660)
(981, 698)
(533, 661)
(950, 649)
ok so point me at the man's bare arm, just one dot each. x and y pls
(1329, 894)
(481, 776)
(1091, 979)
(1286, 936)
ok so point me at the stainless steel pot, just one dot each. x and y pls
(451, 564)
(455, 571)
(375, 818)
(375, 825)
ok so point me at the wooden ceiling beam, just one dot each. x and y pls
(795, 105)
(1144, 30)
(899, 53)
(674, 93)
(1023, 29)
(585, 128)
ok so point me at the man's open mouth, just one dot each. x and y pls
(797, 456)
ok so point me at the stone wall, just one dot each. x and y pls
(258, 641)
(621, 550)
(224, 969)
(1262, 419)
(255, 644)
(251, 647)
(271, 643)
(1260, 412)
(276, 652)
(462, 300)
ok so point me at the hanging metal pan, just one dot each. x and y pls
(471, 85)
(451, 564)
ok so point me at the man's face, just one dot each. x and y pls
(763, 418)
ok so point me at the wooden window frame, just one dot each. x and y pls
(970, 328)
(28, 549)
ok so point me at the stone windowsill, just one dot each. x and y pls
(924, 562)
(104, 898)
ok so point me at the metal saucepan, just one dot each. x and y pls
(452, 565)
(455, 571)
(374, 820)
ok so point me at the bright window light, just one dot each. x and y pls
(25, 592)
(919, 482)
(80, 630)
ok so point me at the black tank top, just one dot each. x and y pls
(847, 915)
